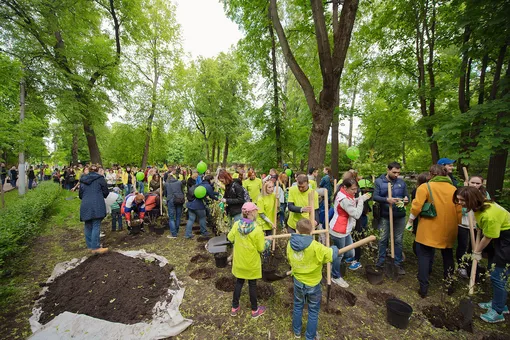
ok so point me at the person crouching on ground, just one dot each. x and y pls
(306, 257)
(249, 243)
(134, 202)
(494, 221)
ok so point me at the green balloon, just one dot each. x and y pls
(201, 167)
(352, 153)
(200, 192)
(140, 176)
(288, 172)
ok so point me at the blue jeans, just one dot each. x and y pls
(399, 224)
(30, 182)
(193, 214)
(140, 186)
(282, 214)
(174, 215)
(92, 230)
(499, 277)
(128, 188)
(313, 296)
(116, 220)
(340, 242)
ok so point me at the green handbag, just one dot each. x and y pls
(428, 209)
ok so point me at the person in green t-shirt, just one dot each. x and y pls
(306, 258)
(253, 185)
(494, 221)
(248, 240)
(298, 202)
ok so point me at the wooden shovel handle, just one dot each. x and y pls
(392, 241)
(315, 232)
(326, 224)
(472, 277)
(466, 176)
(276, 208)
(364, 241)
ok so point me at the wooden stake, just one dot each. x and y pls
(276, 208)
(311, 204)
(160, 197)
(474, 246)
(326, 223)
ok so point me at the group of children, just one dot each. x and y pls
(305, 255)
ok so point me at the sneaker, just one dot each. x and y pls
(349, 260)
(297, 336)
(341, 282)
(463, 273)
(401, 270)
(189, 237)
(101, 234)
(256, 313)
(99, 251)
(355, 265)
(235, 311)
(492, 316)
(488, 305)
(171, 236)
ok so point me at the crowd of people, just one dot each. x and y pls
(257, 205)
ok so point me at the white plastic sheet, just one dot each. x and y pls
(167, 320)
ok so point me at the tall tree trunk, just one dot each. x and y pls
(483, 72)
(276, 105)
(225, 152)
(351, 113)
(218, 149)
(499, 157)
(334, 144)
(21, 160)
(90, 135)
(152, 113)
(74, 147)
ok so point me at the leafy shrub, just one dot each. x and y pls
(20, 222)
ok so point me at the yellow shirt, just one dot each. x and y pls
(313, 184)
(300, 199)
(254, 187)
(266, 205)
(246, 262)
(307, 263)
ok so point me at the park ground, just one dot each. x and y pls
(209, 308)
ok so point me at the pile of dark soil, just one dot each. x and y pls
(200, 258)
(379, 297)
(226, 283)
(202, 273)
(341, 294)
(111, 287)
(440, 317)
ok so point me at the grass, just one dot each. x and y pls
(62, 240)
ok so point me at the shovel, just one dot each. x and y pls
(271, 276)
(276, 208)
(391, 269)
(328, 265)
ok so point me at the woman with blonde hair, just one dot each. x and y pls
(266, 204)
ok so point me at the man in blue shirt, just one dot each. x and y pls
(399, 194)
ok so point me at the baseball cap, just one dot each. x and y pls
(249, 206)
(444, 161)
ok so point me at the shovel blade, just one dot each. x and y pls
(216, 249)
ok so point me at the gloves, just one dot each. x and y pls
(476, 256)
(409, 226)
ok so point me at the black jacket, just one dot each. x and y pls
(234, 195)
(93, 191)
(173, 188)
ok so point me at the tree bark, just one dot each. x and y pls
(331, 64)
(90, 135)
(351, 114)
(334, 144)
(218, 149)
(152, 112)
(74, 148)
(225, 152)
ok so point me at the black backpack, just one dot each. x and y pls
(245, 192)
(190, 194)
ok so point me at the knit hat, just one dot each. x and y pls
(249, 206)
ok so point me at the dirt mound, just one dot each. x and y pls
(226, 283)
(264, 290)
(379, 297)
(203, 238)
(111, 287)
(200, 258)
(440, 317)
(341, 294)
(202, 273)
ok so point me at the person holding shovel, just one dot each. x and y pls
(494, 221)
(436, 230)
(266, 204)
(399, 194)
(249, 243)
(298, 202)
(347, 210)
(306, 257)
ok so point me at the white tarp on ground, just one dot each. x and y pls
(167, 320)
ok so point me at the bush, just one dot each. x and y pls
(21, 220)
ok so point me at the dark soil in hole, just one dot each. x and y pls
(440, 317)
(332, 309)
(264, 290)
(341, 294)
(202, 273)
(379, 297)
(226, 283)
(203, 238)
(200, 258)
(111, 287)
(163, 221)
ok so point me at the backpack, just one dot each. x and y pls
(245, 193)
(190, 194)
